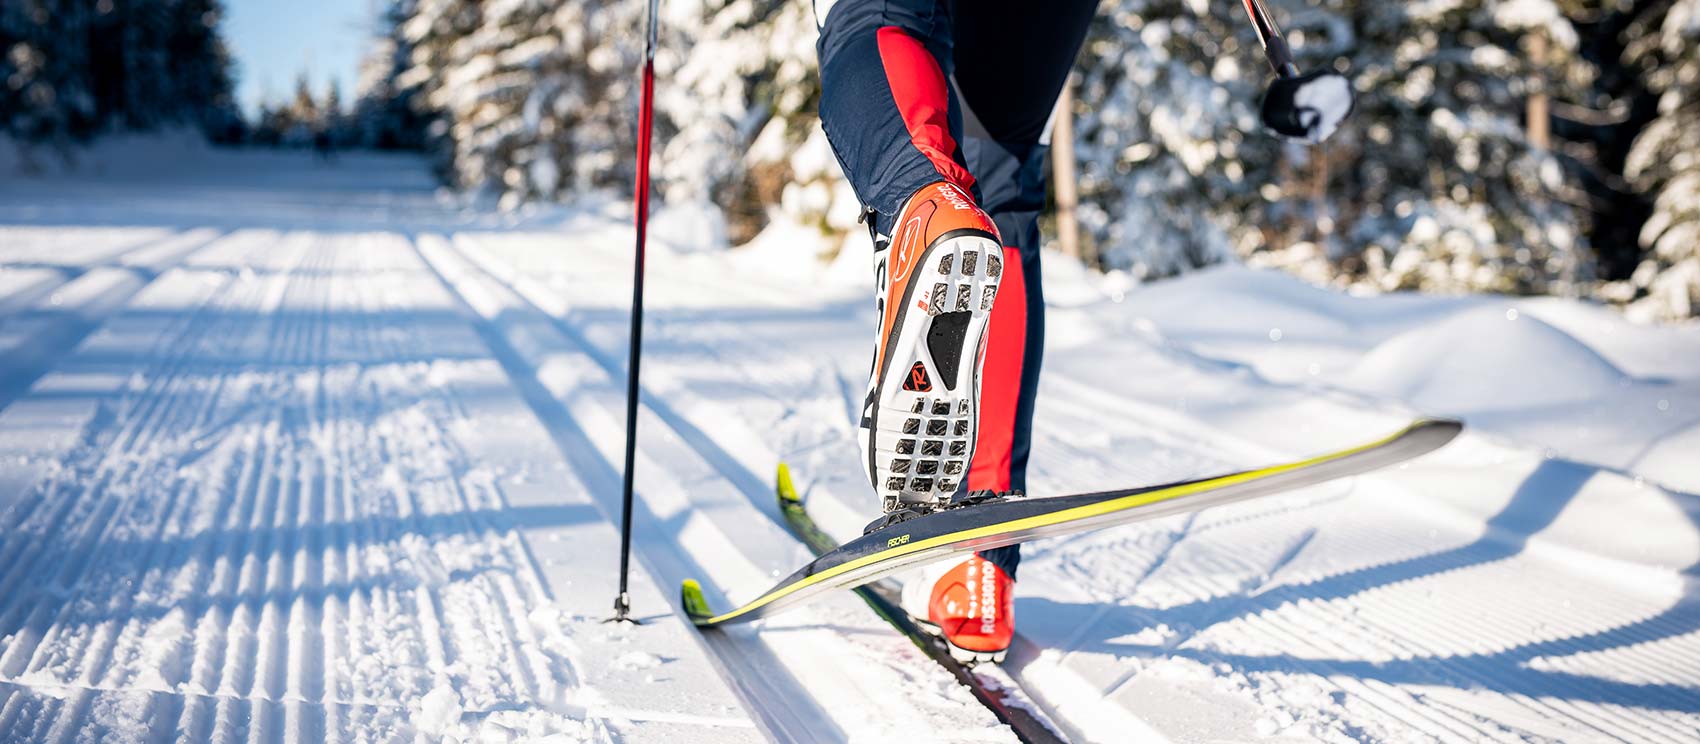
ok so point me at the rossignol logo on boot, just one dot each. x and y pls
(988, 601)
(953, 194)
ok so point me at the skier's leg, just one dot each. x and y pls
(888, 110)
(1008, 100)
(886, 103)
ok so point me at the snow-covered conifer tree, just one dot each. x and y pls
(71, 69)
(1441, 187)
(384, 114)
(1170, 155)
(1433, 184)
(1664, 163)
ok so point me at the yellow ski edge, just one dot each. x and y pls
(1125, 502)
(690, 596)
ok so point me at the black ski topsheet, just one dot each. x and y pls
(949, 532)
(884, 601)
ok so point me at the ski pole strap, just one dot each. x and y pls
(1269, 35)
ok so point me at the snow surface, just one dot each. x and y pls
(297, 450)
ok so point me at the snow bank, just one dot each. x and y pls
(119, 154)
(1484, 359)
(184, 156)
(1559, 375)
(692, 227)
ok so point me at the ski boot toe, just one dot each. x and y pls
(967, 604)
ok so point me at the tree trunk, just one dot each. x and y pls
(1063, 174)
(1539, 125)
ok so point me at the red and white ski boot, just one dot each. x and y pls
(935, 281)
(970, 604)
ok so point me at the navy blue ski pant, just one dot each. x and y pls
(917, 91)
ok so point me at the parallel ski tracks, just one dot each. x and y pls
(274, 570)
(40, 261)
(46, 319)
(90, 520)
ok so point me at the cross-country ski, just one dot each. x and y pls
(999, 521)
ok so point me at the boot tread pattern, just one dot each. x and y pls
(924, 437)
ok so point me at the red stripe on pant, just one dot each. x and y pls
(918, 86)
(1000, 379)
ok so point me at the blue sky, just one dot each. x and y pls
(275, 40)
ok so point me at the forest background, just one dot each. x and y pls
(1512, 146)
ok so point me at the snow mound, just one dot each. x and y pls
(1465, 364)
(1226, 299)
(690, 228)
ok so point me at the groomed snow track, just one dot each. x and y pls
(334, 461)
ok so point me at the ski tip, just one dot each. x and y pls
(1440, 430)
(786, 489)
(1450, 425)
(690, 595)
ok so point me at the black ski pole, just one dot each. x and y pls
(1274, 46)
(646, 117)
